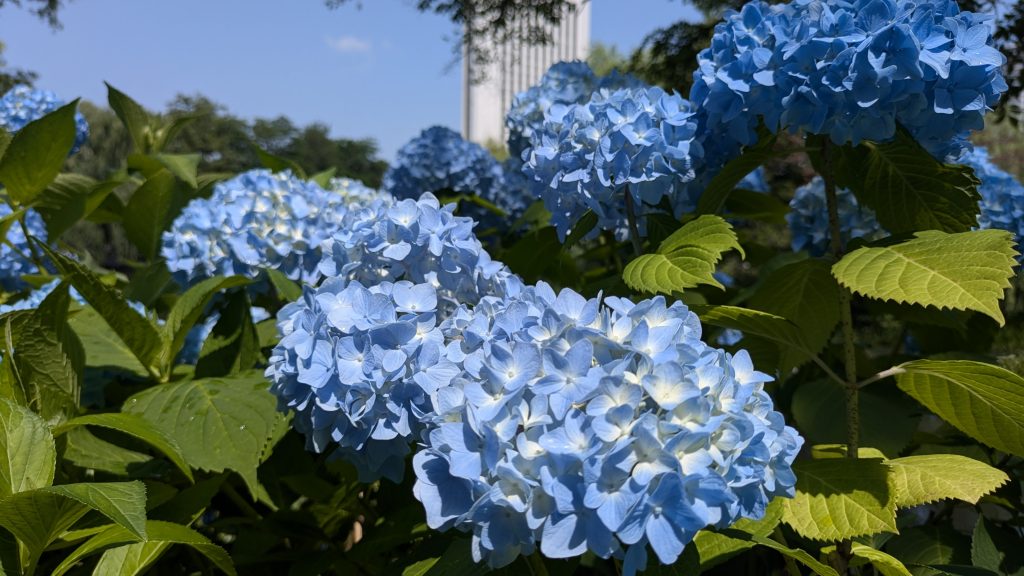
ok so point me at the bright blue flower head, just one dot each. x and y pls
(1002, 196)
(16, 262)
(589, 156)
(22, 104)
(355, 192)
(851, 69)
(253, 221)
(808, 218)
(440, 162)
(577, 425)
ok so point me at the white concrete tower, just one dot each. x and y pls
(516, 65)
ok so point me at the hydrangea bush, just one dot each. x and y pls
(23, 104)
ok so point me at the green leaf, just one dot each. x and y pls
(713, 548)
(966, 271)
(27, 453)
(806, 294)
(457, 560)
(137, 427)
(925, 546)
(103, 348)
(86, 451)
(121, 545)
(138, 333)
(38, 517)
(188, 309)
(323, 179)
(233, 345)
(133, 116)
(63, 202)
(685, 259)
(48, 358)
(579, 231)
(183, 166)
(929, 478)
(796, 554)
(996, 549)
(985, 402)
(36, 153)
(884, 563)
(907, 188)
(287, 289)
(841, 498)
(147, 213)
(278, 164)
(219, 423)
(751, 205)
(774, 328)
(718, 190)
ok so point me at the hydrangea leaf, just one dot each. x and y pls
(38, 517)
(996, 548)
(84, 450)
(884, 563)
(36, 153)
(685, 259)
(278, 164)
(187, 310)
(964, 271)
(128, 556)
(806, 294)
(138, 333)
(841, 498)
(757, 323)
(133, 116)
(134, 426)
(27, 453)
(146, 214)
(64, 202)
(233, 344)
(985, 402)
(183, 166)
(713, 548)
(929, 546)
(796, 554)
(908, 189)
(287, 289)
(103, 348)
(715, 195)
(219, 423)
(929, 478)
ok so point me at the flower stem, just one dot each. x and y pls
(536, 564)
(634, 231)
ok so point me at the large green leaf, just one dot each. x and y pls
(996, 549)
(38, 517)
(138, 333)
(64, 202)
(188, 309)
(908, 189)
(103, 348)
(965, 271)
(985, 402)
(128, 556)
(785, 334)
(85, 450)
(27, 453)
(36, 153)
(806, 294)
(925, 546)
(685, 259)
(133, 116)
(796, 554)
(233, 345)
(884, 563)
(219, 423)
(183, 166)
(48, 358)
(277, 163)
(136, 426)
(147, 213)
(713, 548)
(928, 478)
(841, 498)
(718, 190)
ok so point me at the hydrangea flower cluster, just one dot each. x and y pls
(417, 241)
(851, 69)
(564, 83)
(1002, 196)
(355, 192)
(439, 161)
(636, 142)
(595, 426)
(808, 218)
(14, 253)
(23, 104)
(255, 220)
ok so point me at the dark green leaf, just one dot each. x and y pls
(277, 163)
(133, 116)
(37, 152)
(148, 211)
(183, 166)
(233, 345)
(64, 201)
(135, 426)
(287, 289)
(583, 226)
(188, 309)
(27, 453)
(718, 190)
(996, 549)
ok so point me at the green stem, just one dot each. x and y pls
(634, 231)
(536, 564)
(791, 568)
(31, 247)
(881, 376)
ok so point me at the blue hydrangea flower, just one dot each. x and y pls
(256, 220)
(565, 83)
(579, 425)
(851, 69)
(1002, 196)
(15, 253)
(589, 156)
(808, 218)
(440, 162)
(355, 192)
(36, 297)
(23, 104)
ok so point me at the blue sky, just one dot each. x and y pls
(379, 71)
